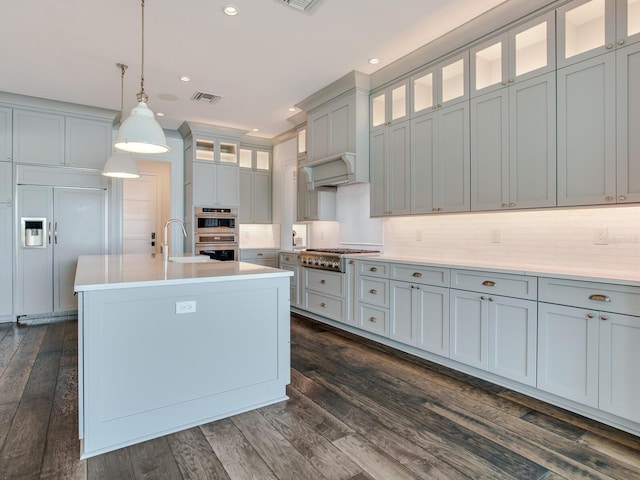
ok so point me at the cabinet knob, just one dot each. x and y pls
(489, 283)
(373, 319)
(373, 269)
(373, 291)
(323, 305)
(482, 297)
(323, 281)
(439, 105)
(608, 46)
(512, 204)
(503, 82)
(352, 262)
(434, 209)
(491, 299)
(434, 107)
(621, 41)
(503, 205)
(417, 274)
(622, 198)
(608, 199)
(604, 317)
(598, 297)
(589, 315)
(511, 80)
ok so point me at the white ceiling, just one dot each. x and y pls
(261, 62)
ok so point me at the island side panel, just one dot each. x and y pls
(149, 371)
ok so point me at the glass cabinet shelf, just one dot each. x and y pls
(204, 149)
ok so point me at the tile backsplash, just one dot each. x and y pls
(260, 235)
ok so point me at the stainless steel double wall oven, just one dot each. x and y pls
(216, 232)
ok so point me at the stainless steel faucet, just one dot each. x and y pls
(165, 245)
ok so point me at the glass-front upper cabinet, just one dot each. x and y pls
(390, 105)
(255, 158)
(440, 85)
(628, 21)
(246, 158)
(302, 140)
(521, 53)
(212, 150)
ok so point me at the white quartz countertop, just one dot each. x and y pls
(591, 274)
(101, 272)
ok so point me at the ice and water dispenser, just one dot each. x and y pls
(33, 232)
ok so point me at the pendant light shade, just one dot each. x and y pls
(140, 133)
(120, 165)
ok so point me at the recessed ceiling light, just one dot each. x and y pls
(256, 129)
(230, 10)
(374, 61)
(159, 114)
(184, 78)
(292, 109)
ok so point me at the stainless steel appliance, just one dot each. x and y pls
(216, 232)
(332, 259)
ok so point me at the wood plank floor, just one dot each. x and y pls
(357, 411)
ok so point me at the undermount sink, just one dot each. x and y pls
(191, 259)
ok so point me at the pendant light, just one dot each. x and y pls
(140, 132)
(120, 164)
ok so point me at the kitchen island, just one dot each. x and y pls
(164, 346)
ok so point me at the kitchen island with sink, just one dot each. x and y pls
(164, 346)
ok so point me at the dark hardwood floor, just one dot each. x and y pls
(356, 411)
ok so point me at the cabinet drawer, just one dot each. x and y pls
(288, 259)
(374, 291)
(326, 306)
(519, 286)
(257, 254)
(324, 281)
(423, 275)
(373, 269)
(591, 295)
(374, 319)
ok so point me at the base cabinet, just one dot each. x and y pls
(6, 261)
(289, 261)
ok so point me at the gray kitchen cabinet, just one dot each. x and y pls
(289, 261)
(216, 184)
(440, 85)
(372, 297)
(38, 137)
(440, 161)
(260, 256)
(587, 28)
(6, 135)
(324, 293)
(390, 149)
(523, 52)
(469, 335)
(75, 224)
(390, 105)
(628, 124)
(6, 183)
(6, 241)
(587, 132)
(255, 185)
(314, 203)
(87, 141)
(513, 146)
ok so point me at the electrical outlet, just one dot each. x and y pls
(418, 235)
(495, 235)
(186, 307)
(601, 236)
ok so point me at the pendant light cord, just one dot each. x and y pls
(142, 97)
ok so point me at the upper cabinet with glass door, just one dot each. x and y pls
(519, 54)
(214, 150)
(390, 105)
(441, 85)
(587, 28)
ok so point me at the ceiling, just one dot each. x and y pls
(262, 61)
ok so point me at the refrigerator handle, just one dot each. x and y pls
(49, 231)
(55, 233)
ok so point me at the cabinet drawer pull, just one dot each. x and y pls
(352, 262)
(373, 319)
(260, 254)
(373, 269)
(323, 304)
(599, 297)
(323, 281)
(489, 283)
(417, 274)
(373, 291)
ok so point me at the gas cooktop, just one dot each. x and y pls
(341, 251)
(333, 259)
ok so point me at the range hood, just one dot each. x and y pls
(332, 171)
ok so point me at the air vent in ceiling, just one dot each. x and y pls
(206, 97)
(302, 5)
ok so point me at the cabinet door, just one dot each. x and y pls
(402, 303)
(423, 163)
(79, 229)
(318, 125)
(204, 184)
(245, 213)
(532, 151)
(628, 21)
(619, 360)
(34, 284)
(432, 319)
(88, 142)
(469, 329)
(628, 126)
(489, 65)
(532, 48)
(398, 168)
(423, 89)
(378, 172)
(568, 353)
(5, 134)
(453, 76)
(587, 132)
(490, 151)
(38, 137)
(586, 28)
(6, 260)
(513, 333)
(6, 183)
(340, 125)
(228, 185)
(261, 197)
(454, 160)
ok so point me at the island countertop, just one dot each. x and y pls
(101, 272)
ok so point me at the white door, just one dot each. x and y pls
(140, 214)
